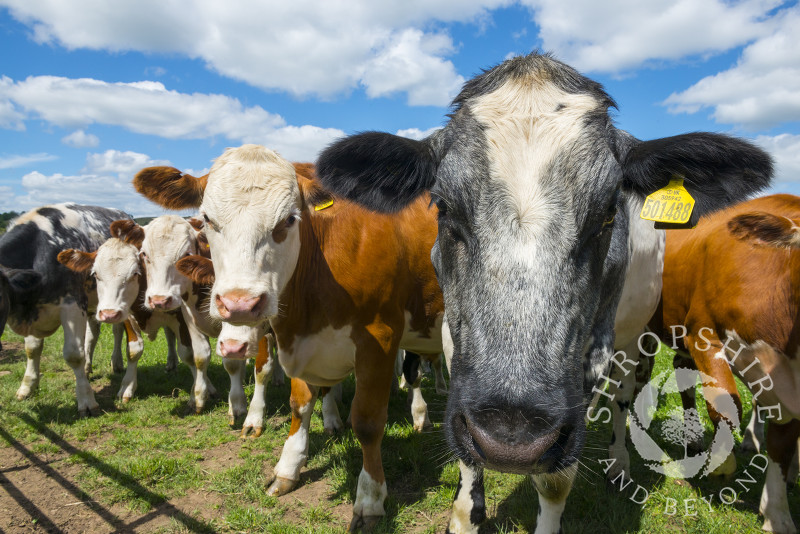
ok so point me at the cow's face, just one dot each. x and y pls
(530, 176)
(116, 269)
(251, 210)
(167, 239)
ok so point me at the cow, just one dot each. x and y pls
(731, 298)
(533, 182)
(410, 364)
(342, 288)
(39, 295)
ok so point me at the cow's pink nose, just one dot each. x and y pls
(231, 348)
(109, 316)
(239, 306)
(160, 302)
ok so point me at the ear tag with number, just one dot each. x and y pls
(670, 206)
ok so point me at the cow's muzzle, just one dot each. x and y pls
(240, 308)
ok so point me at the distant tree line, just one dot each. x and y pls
(6, 218)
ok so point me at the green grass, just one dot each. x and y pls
(148, 455)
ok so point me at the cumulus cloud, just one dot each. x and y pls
(305, 47)
(620, 35)
(150, 108)
(12, 162)
(416, 133)
(785, 148)
(105, 180)
(761, 91)
(80, 139)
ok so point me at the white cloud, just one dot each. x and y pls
(416, 133)
(304, 47)
(80, 139)
(149, 108)
(12, 162)
(621, 35)
(761, 91)
(105, 180)
(785, 149)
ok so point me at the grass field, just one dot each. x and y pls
(147, 467)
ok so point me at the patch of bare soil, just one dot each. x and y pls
(40, 493)
(12, 352)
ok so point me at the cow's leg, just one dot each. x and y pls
(368, 413)
(278, 375)
(419, 408)
(295, 451)
(691, 416)
(438, 375)
(73, 322)
(33, 355)
(237, 400)
(781, 446)
(553, 490)
(197, 357)
(117, 329)
(469, 505)
(331, 420)
(754, 433)
(265, 365)
(90, 342)
(172, 354)
(714, 363)
(135, 349)
(621, 388)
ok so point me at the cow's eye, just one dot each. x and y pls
(144, 256)
(291, 219)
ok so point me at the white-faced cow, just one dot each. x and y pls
(533, 184)
(342, 288)
(118, 271)
(39, 295)
(732, 299)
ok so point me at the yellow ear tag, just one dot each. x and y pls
(671, 204)
(326, 204)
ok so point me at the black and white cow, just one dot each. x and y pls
(533, 184)
(40, 295)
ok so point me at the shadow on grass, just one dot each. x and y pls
(161, 506)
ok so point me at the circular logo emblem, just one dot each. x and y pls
(682, 429)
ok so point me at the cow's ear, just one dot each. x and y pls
(22, 282)
(718, 170)
(766, 229)
(196, 268)
(196, 223)
(77, 260)
(383, 172)
(128, 231)
(170, 188)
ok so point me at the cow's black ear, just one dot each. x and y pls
(718, 170)
(383, 172)
(22, 281)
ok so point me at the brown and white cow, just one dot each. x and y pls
(342, 288)
(121, 288)
(731, 297)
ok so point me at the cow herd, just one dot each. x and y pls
(510, 240)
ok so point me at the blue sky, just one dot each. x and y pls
(91, 91)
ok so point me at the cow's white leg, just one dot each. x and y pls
(295, 450)
(134, 350)
(621, 388)
(117, 330)
(441, 384)
(73, 322)
(469, 505)
(265, 365)
(753, 438)
(172, 353)
(774, 504)
(237, 401)
(33, 355)
(331, 420)
(197, 358)
(553, 490)
(90, 342)
(419, 408)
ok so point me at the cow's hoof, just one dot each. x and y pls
(251, 431)
(89, 412)
(281, 486)
(422, 427)
(25, 391)
(441, 390)
(364, 523)
(126, 399)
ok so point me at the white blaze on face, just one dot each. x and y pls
(527, 123)
(251, 206)
(167, 239)
(116, 270)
